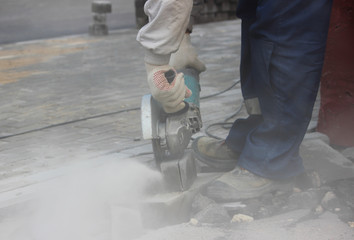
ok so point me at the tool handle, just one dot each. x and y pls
(170, 76)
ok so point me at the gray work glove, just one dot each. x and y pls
(186, 56)
(170, 95)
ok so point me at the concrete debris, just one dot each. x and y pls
(338, 206)
(345, 190)
(194, 221)
(234, 206)
(213, 213)
(241, 218)
(326, 226)
(304, 200)
(200, 202)
(330, 201)
(326, 161)
(349, 153)
(319, 210)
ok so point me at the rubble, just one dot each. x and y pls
(318, 191)
(213, 213)
(326, 161)
(349, 153)
(240, 218)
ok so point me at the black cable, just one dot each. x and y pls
(69, 122)
(101, 115)
(225, 124)
(221, 92)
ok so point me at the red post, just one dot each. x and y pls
(336, 118)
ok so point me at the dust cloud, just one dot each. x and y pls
(94, 204)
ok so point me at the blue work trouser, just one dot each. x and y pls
(283, 45)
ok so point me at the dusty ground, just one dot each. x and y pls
(73, 164)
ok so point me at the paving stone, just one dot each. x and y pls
(327, 162)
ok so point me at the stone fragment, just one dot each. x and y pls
(305, 200)
(291, 226)
(168, 208)
(351, 224)
(326, 161)
(309, 179)
(194, 222)
(345, 190)
(319, 210)
(200, 202)
(267, 198)
(265, 211)
(234, 207)
(345, 213)
(338, 206)
(330, 201)
(252, 206)
(240, 218)
(213, 213)
(349, 153)
(279, 201)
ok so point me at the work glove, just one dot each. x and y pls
(186, 56)
(170, 95)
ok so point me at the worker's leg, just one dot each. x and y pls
(213, 152)
(285, 73)
(287, 43)
(241, 127)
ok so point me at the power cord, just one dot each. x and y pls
(225, 124)
(119, 112)
(69, 122)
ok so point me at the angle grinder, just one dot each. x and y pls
(170, 133)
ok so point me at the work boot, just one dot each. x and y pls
(241, 184)
(215, 154)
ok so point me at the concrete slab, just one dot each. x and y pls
(170, 208)
(327, 162)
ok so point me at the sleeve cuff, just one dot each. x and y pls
(156, 59)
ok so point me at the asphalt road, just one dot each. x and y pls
(22, 20)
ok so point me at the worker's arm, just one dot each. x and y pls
(168, 20)
(163, 35)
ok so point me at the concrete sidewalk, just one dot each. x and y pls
(72, 102)
(75, 97)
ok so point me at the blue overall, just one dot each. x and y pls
(282, 53)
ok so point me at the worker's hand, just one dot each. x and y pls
(186, 56)
(170, 95)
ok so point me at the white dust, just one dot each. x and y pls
(92, 204)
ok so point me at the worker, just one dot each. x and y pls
(282, 53)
